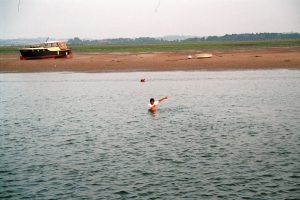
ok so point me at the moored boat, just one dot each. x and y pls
(53, 49)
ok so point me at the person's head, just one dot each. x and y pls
(151, 101)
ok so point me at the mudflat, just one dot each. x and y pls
(235, 59)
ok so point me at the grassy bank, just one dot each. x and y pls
(173, 46)
(9, 49)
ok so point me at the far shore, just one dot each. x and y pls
(237, 59)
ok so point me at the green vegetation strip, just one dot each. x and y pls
(172, 46)
(180, 46)
(9, 49)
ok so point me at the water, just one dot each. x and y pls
(221, 135)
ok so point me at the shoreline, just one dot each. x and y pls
(222, 60)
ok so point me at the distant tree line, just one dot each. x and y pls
(227, 37)
(139, 40)
(248, 37)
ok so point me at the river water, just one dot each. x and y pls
(220, 135)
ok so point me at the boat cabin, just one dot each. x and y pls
(61, 45)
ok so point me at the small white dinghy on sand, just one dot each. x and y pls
(203, 55)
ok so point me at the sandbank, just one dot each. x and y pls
(237, 59)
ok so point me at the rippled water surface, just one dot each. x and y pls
(221, 135)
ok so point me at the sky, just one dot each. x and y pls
(99, 19)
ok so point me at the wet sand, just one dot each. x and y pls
(267, 58)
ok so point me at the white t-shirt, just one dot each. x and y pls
(154, 104)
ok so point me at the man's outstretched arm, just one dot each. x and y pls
(160, 100)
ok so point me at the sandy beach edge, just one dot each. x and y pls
(236, 59)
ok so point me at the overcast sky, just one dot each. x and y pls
(135, 18)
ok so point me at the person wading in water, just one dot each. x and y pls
(153, 104)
